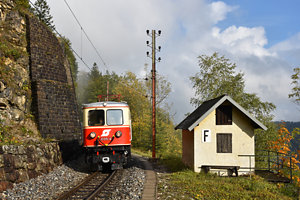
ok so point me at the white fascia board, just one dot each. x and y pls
(247, 113)
(235, 104)
(207, 113)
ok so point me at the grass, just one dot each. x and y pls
(183, 183)
(142, 153)
(187, 184)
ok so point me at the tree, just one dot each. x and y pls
(216, 77)
(283, 145)
(42, 11)
(163, 87)
(97, 84)
(296, 83)
(133, 91)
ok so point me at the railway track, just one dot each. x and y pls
(90, 187)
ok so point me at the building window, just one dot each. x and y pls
(224, 143)
(224, 115)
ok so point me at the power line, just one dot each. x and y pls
(97, 52)
(82, 29)
(80, 57)
(62, 38)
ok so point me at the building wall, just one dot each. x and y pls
(188, 147)
(242, 142)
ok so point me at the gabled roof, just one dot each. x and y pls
(191, 121)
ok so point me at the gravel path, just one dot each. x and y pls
(63, 178)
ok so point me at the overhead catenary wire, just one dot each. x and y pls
(62, 38)
(77, 54)
(82, 29)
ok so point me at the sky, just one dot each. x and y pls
(261, 37)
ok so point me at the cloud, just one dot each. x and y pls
(219, 10)
(289, 44)
(243, 40)
(189, 29)
(289, 49)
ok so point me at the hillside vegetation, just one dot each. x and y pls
(137, 93)
(187, 184)
(295, 143)
(178, 182)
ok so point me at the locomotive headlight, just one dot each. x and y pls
(92, 135)
(118, 134)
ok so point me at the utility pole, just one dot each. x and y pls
(153, 46)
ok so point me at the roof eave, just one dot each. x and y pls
(247, 114)
(207, 113)
(258, 123)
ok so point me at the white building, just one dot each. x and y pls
(215, 136)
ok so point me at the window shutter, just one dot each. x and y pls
(224, 143)
(224, 115)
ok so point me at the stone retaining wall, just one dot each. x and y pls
(21, 163)
(53, 95)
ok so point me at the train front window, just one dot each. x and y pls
(114, 117)
(96, 118)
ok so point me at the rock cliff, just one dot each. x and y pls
(37, 97)
(17, 122)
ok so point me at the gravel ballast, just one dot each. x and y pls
(66, 176)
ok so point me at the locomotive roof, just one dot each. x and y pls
(105, 104)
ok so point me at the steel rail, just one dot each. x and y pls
(100, 187)
(93, 194)
(77, 187)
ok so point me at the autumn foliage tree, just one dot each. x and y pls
(136, 93)
(287, 157)
(133, 91)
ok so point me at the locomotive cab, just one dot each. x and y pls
(107, 134)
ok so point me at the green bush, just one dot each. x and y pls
(173, 163)
(22, 4)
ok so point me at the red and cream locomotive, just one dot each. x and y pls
(107, 134)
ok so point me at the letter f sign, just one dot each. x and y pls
(206, 135)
